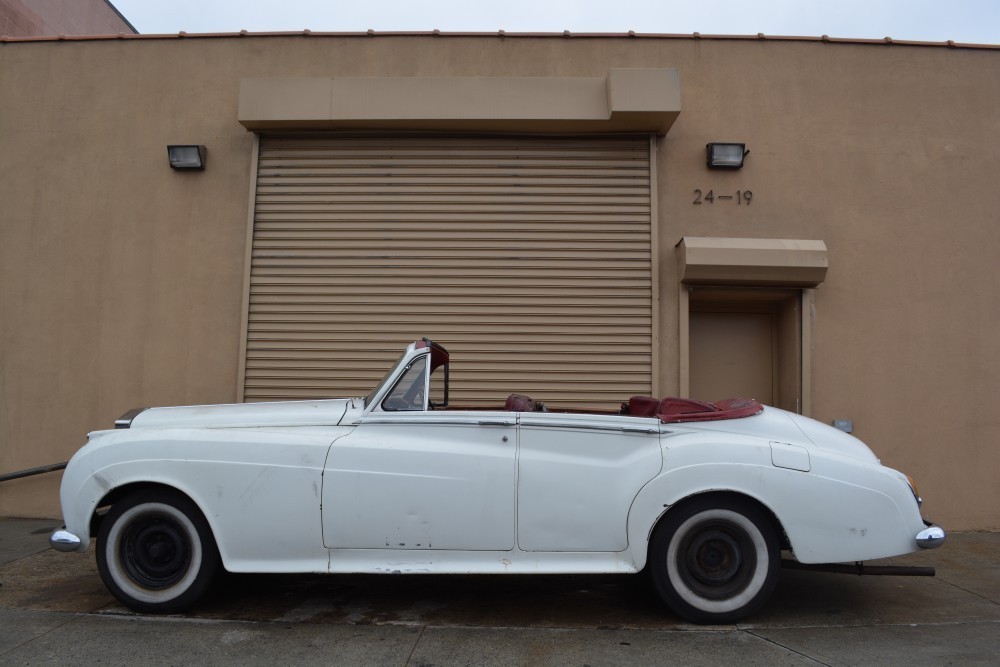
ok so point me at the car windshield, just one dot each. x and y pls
(411, 388)
(371, 396)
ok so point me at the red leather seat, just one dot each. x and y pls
(519, 403)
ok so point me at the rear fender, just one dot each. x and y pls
(826, 520)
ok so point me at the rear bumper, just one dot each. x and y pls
(930, 537)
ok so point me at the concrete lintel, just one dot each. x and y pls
(737, 261)
(627, 100)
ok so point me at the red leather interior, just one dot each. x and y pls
(519, 403)
(675, 410)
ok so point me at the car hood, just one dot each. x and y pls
(244, 415)
(781, 425)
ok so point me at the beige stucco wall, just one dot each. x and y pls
(121, 281)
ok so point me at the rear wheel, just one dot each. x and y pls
(715, 559)
(156, 552)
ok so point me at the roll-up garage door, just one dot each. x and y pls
(529, 258)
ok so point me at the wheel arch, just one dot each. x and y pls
(678, 487)
(722, 496)
(119, 492)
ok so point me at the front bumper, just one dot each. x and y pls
(930, 537)
(63, 540)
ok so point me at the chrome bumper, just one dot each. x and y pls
(930, 537)
(63, 540)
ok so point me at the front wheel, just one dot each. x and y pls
(715, 559)
(156, 552)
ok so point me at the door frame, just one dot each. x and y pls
(806, 306)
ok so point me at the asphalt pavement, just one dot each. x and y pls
(54, 610)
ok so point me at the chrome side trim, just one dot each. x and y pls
(931, 537)
(125, 421)
(589, 426)
(421, 421)
(63, 540)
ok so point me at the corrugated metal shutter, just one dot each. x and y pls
(528, 258)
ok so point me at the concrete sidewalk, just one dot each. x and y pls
(54, 610)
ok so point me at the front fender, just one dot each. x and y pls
(259, 489)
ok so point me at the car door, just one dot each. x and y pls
(577, 477)
(423, 480)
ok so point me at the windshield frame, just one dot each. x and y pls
(436, 357)
(396, 367)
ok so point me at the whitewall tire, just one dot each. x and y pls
(155, 552)
(715, 559)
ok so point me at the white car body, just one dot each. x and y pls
(349, 486)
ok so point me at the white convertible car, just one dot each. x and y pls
(702, 496)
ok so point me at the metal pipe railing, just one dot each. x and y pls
(6, 477)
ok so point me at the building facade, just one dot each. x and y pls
(37, 18)
(540, 204)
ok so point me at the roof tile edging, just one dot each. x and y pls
(949, 44)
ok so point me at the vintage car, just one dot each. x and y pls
(703, 497)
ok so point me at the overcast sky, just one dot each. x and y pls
(971, 21)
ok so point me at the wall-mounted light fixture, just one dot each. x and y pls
(726, 156)
(186, 157)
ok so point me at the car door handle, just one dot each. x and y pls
(487, 422)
